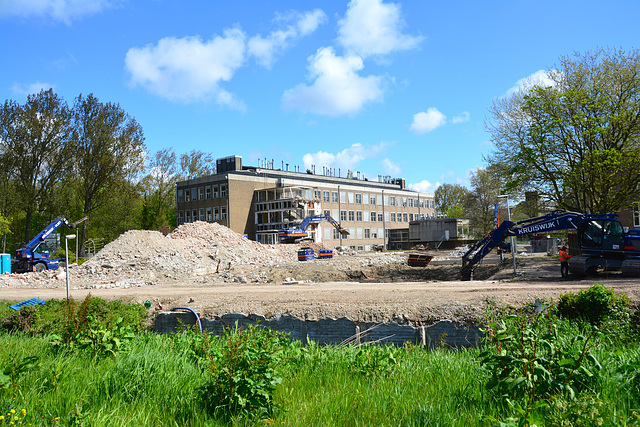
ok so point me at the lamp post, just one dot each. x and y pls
(66, 255)
(513, 243)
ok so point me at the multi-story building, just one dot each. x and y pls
(259, 201)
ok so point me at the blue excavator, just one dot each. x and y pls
(299, 232)
(36, 255)
(603, 242)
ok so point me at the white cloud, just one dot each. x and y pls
(426, 122)
(464, 117)
(371, 27)
(424, 186)
(189, 69)
(539, 78)
(337, 88)
(390, 168)
(59, 10)
(31, 88)
(265, 49)
(347, 159)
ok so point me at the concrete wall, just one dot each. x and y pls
(336, 331)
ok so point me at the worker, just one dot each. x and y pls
(564, 256)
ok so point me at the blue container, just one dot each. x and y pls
(325, 254)
(5, 263)
(305, 254)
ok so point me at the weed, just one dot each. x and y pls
(595, 304)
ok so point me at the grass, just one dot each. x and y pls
(158, 381)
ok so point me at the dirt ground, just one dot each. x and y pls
(366, 287)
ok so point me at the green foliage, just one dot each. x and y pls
(12, 369)
(374, 360)
(530, 360)
(22, 320)
(595, 304)
(243, 371)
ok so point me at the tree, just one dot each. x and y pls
(196, 163)
(109, 147)
(160, 189)
(451, 199)
(486, 186)
(34, 149)
(577, 140)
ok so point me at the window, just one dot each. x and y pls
(410, 203)
(405, 217)
(200, 193)
(343, 197)
(374, 233)
(201, 217)
(187, 195)
(343, 215)
(327, 233)
(636, 215)
(334, 213)
(194, 195)
(209, 217)
(336, 234)
(404, 202)
(432, 204)
(216, 213)
(372, 199)
(393, 217)
(215, 192)
(386, 216)
(358, 215)
(180, 196)
(380, 218)
(392, 201)
(334, 196)
(180, 217)
(410, 217)
(373, 217)
(367, 233)
(325, 196)
(194, 215)
(379, 201)
(223, 212)
(352, 216)
(327, 212)
(365, 199)
(358, 199)
(187, 217)
(359, 233)
(366, 216)
(350, 197)
(223, 190)
(207, 192)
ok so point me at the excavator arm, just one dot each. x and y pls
(553, 221)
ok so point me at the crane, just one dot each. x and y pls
(299, 232)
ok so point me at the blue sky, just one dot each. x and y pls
(377, 87)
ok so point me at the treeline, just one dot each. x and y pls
(87, 159)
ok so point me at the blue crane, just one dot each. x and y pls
(299, 232)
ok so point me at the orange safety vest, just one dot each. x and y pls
(563, 256)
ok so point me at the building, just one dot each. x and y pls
(259, 201)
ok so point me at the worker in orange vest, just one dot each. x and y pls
(564, 256)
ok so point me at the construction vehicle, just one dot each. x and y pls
(36, 255)
(299, 232)
(601, 241)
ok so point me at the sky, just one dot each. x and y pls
(400, 89)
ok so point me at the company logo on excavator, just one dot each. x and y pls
(538, 227)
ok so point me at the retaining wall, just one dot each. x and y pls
(336, 331)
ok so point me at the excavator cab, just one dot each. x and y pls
(603, 234)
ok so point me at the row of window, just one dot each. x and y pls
(216, 213)
(373, 216)
(372, 199)
(355, 233)
(202, 193)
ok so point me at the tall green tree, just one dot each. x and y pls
(35, 150)
(109, 147)
(160, 189)
(575, 140)
(196, 163)
(451, 200)
(486, 185)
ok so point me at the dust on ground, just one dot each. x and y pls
(216, 271)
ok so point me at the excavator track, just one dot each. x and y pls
(579, 265)
(631, 268)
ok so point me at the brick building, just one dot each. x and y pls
(259, 201)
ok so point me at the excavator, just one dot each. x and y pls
(603, 242)
(35, 255)
(299, 232)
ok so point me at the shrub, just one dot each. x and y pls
(595, 305)
(244, 369)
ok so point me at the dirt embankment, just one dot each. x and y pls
(216, 271)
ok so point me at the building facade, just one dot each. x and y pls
(258, 202)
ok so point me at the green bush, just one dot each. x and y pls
(244, 370)
(595, 305)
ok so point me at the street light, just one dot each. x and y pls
(513, 243)
(66, 255)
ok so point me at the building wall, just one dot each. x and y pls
(393, 206)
